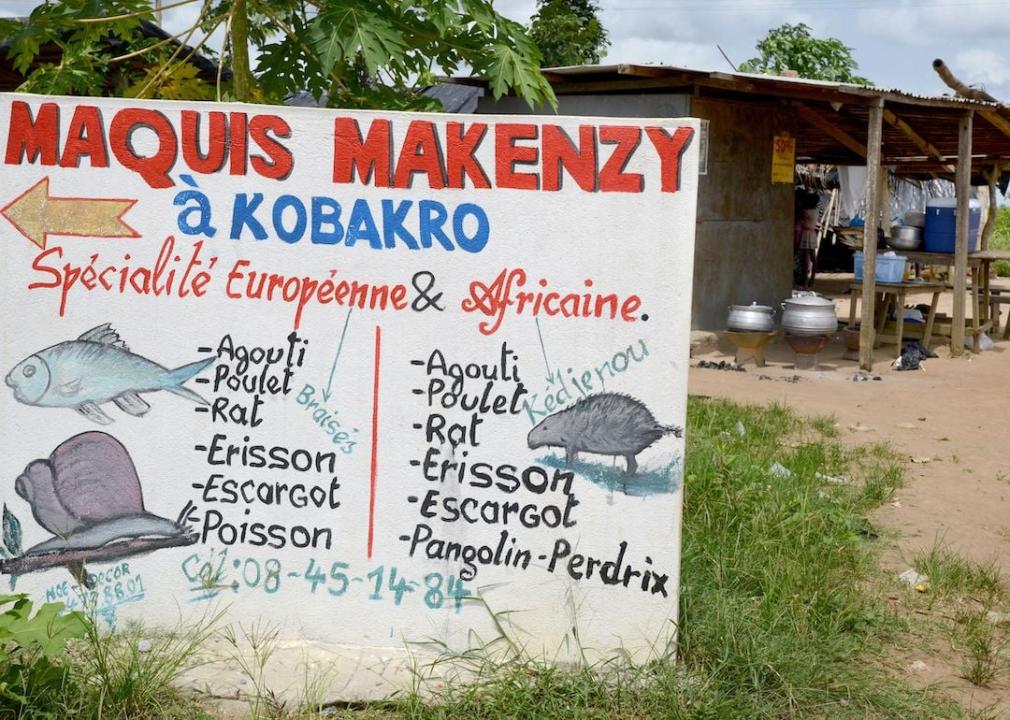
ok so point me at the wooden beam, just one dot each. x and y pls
(885, 198)
(925, 169)
(818, 121)
(617, 84)
(996, 120)
(990, 219)
(867, 334)
(963, 187)
(651, 71)
(927, 148)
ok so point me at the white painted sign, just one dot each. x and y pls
(370, 377)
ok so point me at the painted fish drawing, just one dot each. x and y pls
(97, 368)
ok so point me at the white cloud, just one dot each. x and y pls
(911, 22)
(17, 8)
(645, 51)
(983, 66)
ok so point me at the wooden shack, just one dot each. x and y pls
(744, 240)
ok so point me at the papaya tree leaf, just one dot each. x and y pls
(359, 53)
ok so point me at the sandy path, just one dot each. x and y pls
(954, 413)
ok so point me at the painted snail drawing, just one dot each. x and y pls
(87, 494)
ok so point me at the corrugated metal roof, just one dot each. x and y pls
(767, 83)
(455, 98)
(920, 132)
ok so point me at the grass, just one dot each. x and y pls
(961, 595)
(951, 575)
(983, 648)
(781, 616)
(826, 425)
(128, 675)
(1001, 240)
(131, 674)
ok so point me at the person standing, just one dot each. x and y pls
(806, 233)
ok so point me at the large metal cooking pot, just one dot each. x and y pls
(809, 315)
(905, 237)
(751, 318)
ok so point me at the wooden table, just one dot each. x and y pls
(922, 257)
(981, 295)
(985, 258)
(895, 294)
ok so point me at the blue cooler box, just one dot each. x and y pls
(941, 225)
(890, 268)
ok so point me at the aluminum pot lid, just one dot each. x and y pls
(752, 306)
(810, 301)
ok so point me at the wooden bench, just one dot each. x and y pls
(999, 295)
(894, 295)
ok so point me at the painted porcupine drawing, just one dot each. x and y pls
(603, 424)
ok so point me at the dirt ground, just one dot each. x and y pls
(950, 420)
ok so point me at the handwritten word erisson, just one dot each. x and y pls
(379, 152)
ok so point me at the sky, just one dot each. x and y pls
(894, 41)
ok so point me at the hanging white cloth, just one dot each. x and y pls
(852, 189)
(905, 194)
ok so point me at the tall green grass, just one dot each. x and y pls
(778, 617)
(128, 675)
(1001, 240)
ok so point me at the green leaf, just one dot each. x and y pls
(47, 631)
(568, 33)
(342, 32)
(361, 53)
(794, 47)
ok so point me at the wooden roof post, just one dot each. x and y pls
(873, 170)
(963, 187)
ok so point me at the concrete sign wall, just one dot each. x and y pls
(346, 372)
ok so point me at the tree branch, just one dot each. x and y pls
(106, 553)
(168, 68)
(241, 74)
(141, 51)
(127, 16)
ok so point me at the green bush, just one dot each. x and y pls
(34, 674)
(1001, 240)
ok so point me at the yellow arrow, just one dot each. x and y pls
(36, 214)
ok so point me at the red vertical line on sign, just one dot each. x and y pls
(375, 440)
